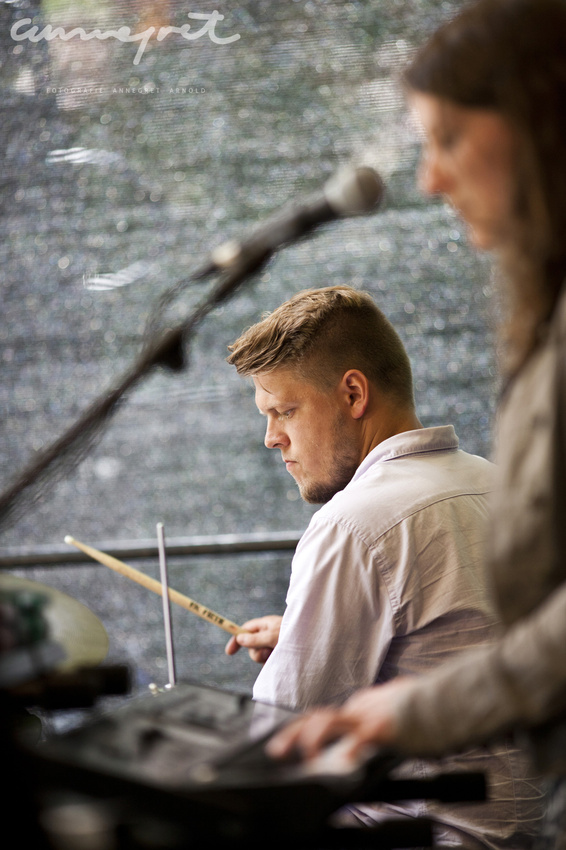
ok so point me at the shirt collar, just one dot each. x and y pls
(421, 441)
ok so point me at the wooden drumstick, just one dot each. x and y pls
(155, 586)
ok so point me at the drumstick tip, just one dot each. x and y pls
(69, 539)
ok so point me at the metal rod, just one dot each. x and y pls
(166, 604)
(220, 544)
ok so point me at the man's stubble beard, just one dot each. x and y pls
(345, 461)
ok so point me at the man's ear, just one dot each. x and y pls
(356, 390)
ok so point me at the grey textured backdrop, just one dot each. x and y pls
(117, 178)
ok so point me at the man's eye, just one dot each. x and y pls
(286, 414)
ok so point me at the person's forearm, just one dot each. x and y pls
(520, 680)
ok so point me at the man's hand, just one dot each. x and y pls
(366, 720)
(260, 638)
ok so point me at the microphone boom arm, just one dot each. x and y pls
(356, 195)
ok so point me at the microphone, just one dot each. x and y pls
(350, 192)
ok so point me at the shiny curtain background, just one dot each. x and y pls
(121, 169)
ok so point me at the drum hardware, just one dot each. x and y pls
(166, 604)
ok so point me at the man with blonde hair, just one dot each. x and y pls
(388, 579)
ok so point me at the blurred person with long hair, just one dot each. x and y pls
(489, 90)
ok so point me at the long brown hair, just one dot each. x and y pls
(510, 56)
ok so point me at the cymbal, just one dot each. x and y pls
(71, 624)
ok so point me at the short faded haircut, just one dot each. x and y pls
(321, 333)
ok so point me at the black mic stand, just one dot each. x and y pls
(166, 348)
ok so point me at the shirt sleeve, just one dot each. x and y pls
(337, 626)
(518, 681)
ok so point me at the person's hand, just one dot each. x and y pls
(260, 638)
(366, 720)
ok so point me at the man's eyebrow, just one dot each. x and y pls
(276, 407)
(271, 409)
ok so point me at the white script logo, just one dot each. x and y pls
(124, 34)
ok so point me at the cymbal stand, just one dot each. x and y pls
(166, 605)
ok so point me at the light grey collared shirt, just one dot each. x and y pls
(389, 576)
(388, 580)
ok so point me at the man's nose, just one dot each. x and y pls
(275, 438)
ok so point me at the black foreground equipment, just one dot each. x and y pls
(185, 767)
